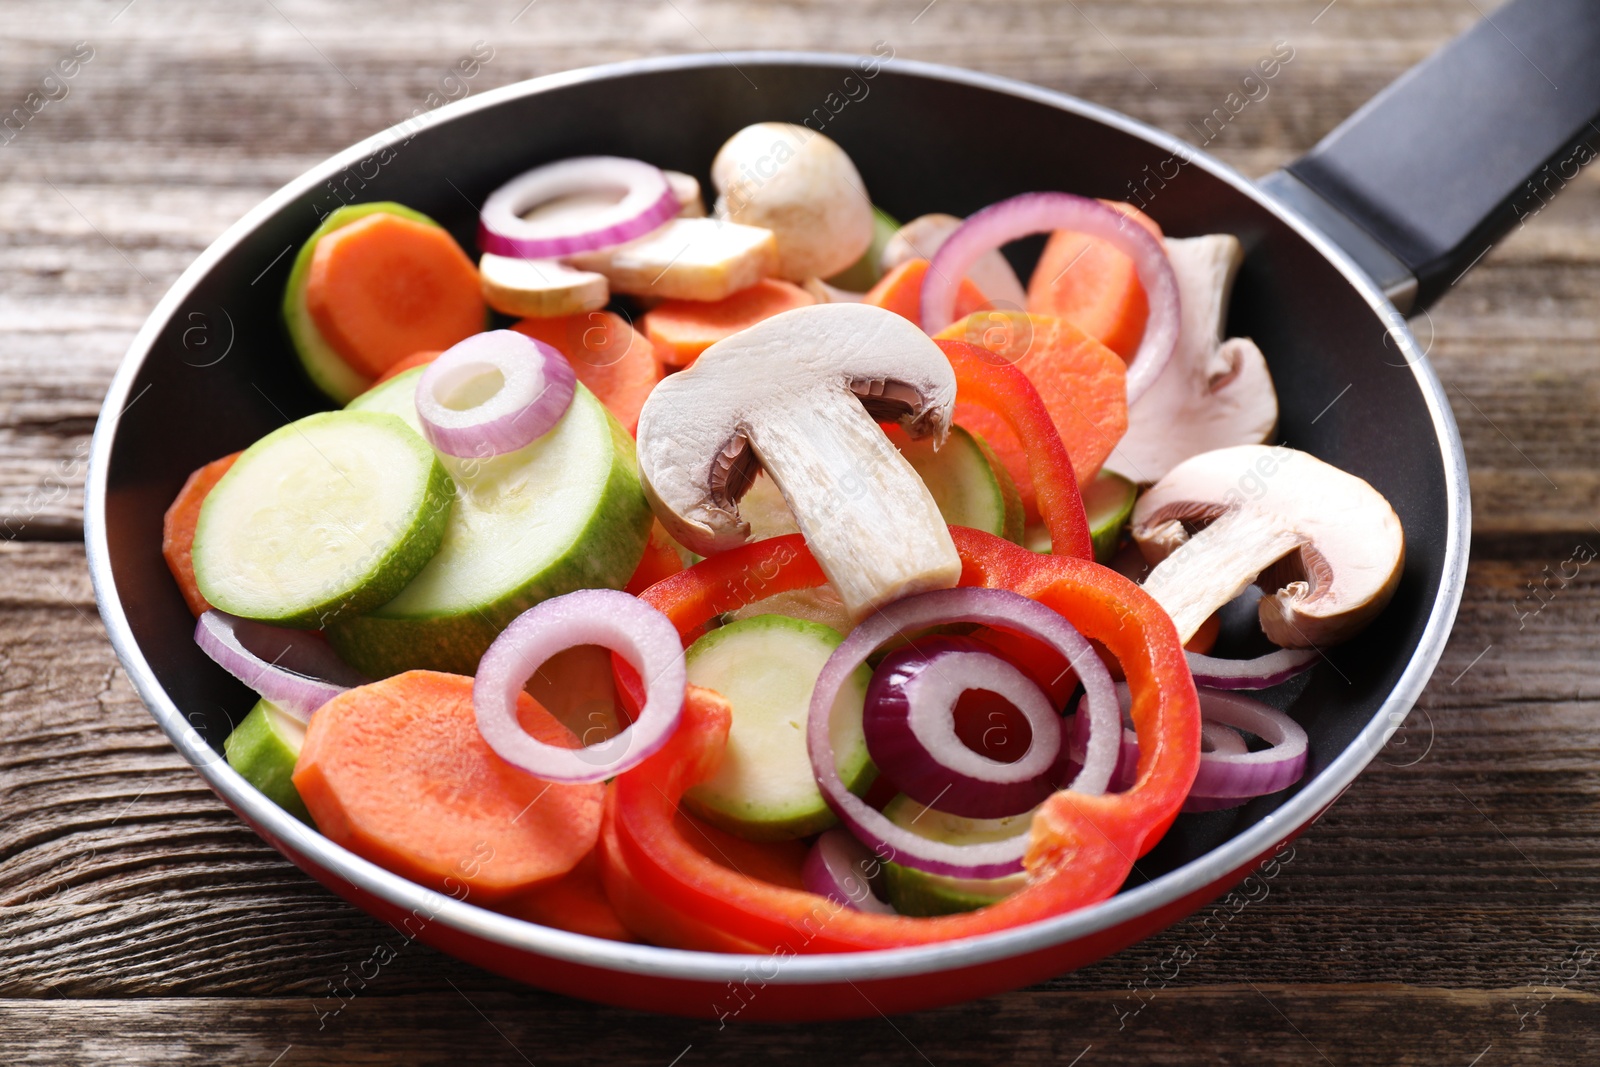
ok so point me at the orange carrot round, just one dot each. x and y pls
(682, 329)
(177, 529)
(1082, 383)
(411, 362)
(397, 772)
(615, 362)
(900, 291)
(1089, 283)
(384, 287)
(575, 902)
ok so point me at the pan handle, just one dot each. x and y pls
(1421, 182)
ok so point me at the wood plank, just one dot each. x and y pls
(1472, 867)
(1258, 1022)
(110, 192)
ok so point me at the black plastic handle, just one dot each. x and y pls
(1420, 182)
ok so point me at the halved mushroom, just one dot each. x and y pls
(800, 185)
(1324, 545)
(1214, 393)
(924, 235)
(540, 288)
(686, 259)
(800, 395)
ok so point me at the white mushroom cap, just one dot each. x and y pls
(803, 187)
(801, 394)
(1213, 393)
(1324, 545)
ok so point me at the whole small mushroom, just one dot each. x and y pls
(1213, 393)
(800, 185)
(801, 395)
(1325, 546)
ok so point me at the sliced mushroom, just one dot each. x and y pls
(800, 185)
(923, 236)
(831, 294)
(1214, 393)
(687, 259)
(540, 288)
(1324, 545)
(800, 395)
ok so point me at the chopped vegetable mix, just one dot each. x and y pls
(761, 552)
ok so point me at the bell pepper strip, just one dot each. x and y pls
(1082, 847)
(660, 560)
(991, 382)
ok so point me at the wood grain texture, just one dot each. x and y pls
(188, 115)
(1445, 910)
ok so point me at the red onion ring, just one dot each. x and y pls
(1031, 213)
(993, 607)
(293, 669)
(647, 202)
(1229, 773)
(909, 724)
(637, 632)
(836, 868)
(1263, 672)
(535, 388)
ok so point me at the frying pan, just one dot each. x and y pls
(1379, 218)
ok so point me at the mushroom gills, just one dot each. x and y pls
(1324, 545)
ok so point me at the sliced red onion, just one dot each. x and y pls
(637, 632)
(836, 868)
(1032, 213)
(992, 607)
(645, 201)
(1229, 773)
(493, 393)
(909, 723)
(294, 669)
(1263, 672)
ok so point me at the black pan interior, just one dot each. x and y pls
(922, 144)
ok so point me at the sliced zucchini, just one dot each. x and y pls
(326, 368)
(263, 749)
(1109, 502)
(915, 892)
(864, 273)
(565, 512)
(766, 667)
(327, 517)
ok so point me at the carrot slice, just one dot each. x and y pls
(682, 329)
(1089, 283)
(576, 902)
(660, 561)
(614, 361)
(900, 291)
(411, 362)
(177, 529)
(397, 772)
(383, 287)
(1082, 383)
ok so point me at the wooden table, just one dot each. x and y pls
(1445, 912)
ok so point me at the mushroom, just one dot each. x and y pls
(800, 185)
(1214, 393)
(800, 395)
(1324, 546)
(922, 237)
(539, 288)
(686, 259)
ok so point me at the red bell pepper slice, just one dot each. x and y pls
(1082, 847)
(986, 379)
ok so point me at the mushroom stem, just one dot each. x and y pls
(1207, 570)
(866, 515)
